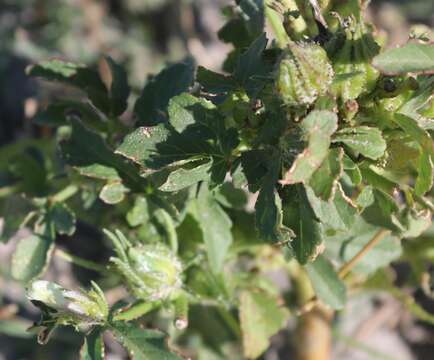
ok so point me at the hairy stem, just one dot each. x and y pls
(85, 264)
(65, 193)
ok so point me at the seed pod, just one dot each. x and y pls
(152, 272)
(351, 51)
(304, 73)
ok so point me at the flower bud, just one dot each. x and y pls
(351, 50)
(304, 73)
(152, 272)
(69, 307)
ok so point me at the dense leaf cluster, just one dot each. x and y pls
(327, 135)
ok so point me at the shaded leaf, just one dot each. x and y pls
(140, 145)
(31, 257)
(412, 57)
(181, 110)
(173, 80)
(231, 197)
(424, 180)
(250, 65)
(86, 150)
(113, 193)
(143, 344)
(183, 177)
(338, 214)
(76, 75)
(115, 78)
(299, 216)
(93, 346)
(63, 219)
(268, 207)
(326, 283)
(317, 127)
(139, 213)
(213, 82)
(325, 179)
(215, 225)
(261, 317)
(364, 140)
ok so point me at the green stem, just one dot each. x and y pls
(230, 321)
(277, 26)
(85, 264)
(9, 190)
(166, 221)
(65, 193)
(136, 310)
(347, 267)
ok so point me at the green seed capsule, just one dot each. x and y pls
(304, 73)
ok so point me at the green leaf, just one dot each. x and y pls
(140, 145)
(87, 151)
(231, 197)
(419, 99)
(326, 283)
(338, 214)
(215, 225)
(317, 127)
(364, 140)
(29, 168)
(93, 346)
(56, 114)
(261, 317)
(116, 82)
(268, 207)
(412, 57)
(76, 75)
(139, 213)
(352, 170)
(113, 193)
(250, 65)
(182, 177)
(13, 211)
(204, 135)
(325, 179)
(299, 216)
(175, 79)
(213, 82)
(181, 110)
(424, 180)
(412, 129)
(253, 15)
(63, 219)
(141, 343)
(31, 257)
(246, 25)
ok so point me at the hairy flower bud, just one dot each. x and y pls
(304, 73)
(69, 307)
(152, 272)
(351, 50)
